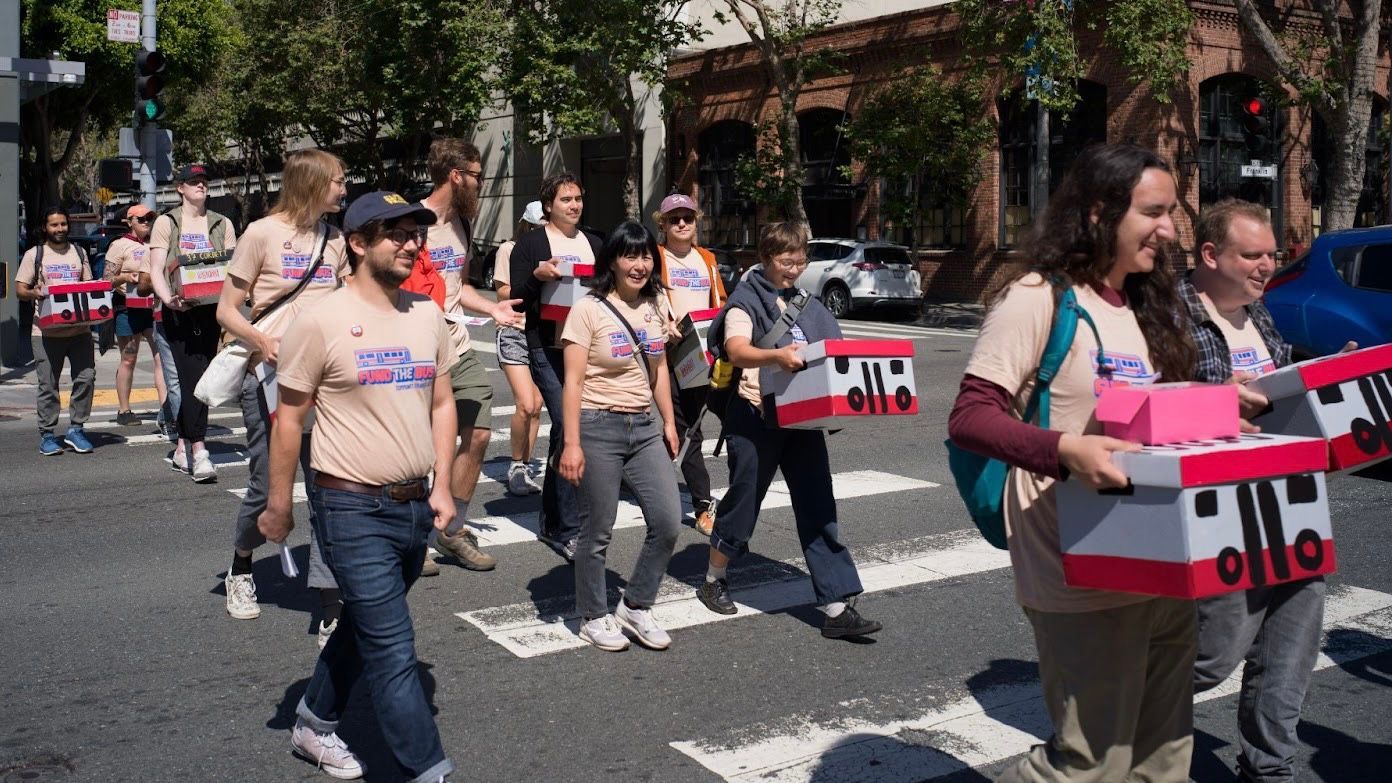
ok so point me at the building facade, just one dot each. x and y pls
(1205, 132)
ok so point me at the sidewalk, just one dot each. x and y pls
(18, 385)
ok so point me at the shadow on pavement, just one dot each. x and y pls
(1339, 756)
(272, 588)
(1376, 669)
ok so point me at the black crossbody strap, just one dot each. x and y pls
(786, 320)
(638, 354)
(304, 281)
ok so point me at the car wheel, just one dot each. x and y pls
(837, 299)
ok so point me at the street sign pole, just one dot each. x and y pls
(14, 351)
(149, 131)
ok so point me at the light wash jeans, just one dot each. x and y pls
(171, 376)
(625, 447)
(1276, 631)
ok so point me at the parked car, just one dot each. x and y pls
(727, 265)
(1340, 290)
(848, 275)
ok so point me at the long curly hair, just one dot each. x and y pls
(1067, 244)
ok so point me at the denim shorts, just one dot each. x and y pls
(133, 321)
(512, 346)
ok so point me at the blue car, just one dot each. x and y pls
(1340, 290)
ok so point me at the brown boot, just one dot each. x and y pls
(465, 548)
(429, 567)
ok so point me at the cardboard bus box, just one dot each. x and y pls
(199, 284)
(1202, 518)
(558, 296)
(691, 359)
(72, 304)
(845, 382)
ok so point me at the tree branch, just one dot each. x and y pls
(1255, 24)
(1329, 14)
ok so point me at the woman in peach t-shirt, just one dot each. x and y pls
(1115, 667)
(615, 343)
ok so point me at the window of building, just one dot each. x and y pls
(827, 195)
(1372, 202)
(1239, 153)
(729, 217)
(1068, 136)
(942, 217)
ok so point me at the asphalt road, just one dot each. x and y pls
(119, 662)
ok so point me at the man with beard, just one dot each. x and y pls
(456, 169)
(374, 362)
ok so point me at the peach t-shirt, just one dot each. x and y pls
(372, 373)
(689, 280)
(273, 257)
(193, 236)
(65, 267)
(449, 251)
(502, 273)
(123, 255)
(739, 324)
(1245, 344)
(613, 378)
(1007, 354)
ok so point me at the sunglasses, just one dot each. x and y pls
(678, 220)
(146, 219)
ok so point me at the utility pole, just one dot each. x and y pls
(149, 131)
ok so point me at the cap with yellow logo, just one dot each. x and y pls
(384, 205)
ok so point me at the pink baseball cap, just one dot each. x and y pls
(677, 201)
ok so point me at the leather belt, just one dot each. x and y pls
(402, 491)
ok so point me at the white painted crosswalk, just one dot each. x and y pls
(974, 730)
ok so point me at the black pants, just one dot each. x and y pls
(193, 339)
(687, 405)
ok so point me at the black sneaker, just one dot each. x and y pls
(716, 596)
(848, 623)
(127, 419)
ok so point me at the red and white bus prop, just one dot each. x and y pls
(845, 382)
(1202, 518)
(692, 358)
(558, 296)
(1345, 399)
(199, 283)
(76, 304)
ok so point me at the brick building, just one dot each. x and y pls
(1201, 133)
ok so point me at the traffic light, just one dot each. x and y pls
(148, 84)
(116, 174)
(1256, 127)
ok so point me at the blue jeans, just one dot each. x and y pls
(171, 375)
(375, 547)
(1276, 630)
(627, 448)
(754, 453)
(560, 517)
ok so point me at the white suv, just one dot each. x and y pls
(847, 275)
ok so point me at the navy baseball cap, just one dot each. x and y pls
(194, 171)
(384, 205)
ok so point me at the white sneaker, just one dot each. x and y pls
(518, 482)
(179, 461)
(326, 751)
(241, 597)
(325, 631)
(203, 469)
(604, 633)
(644, 628)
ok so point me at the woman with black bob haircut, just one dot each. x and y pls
(615, 369)
(1115, 667)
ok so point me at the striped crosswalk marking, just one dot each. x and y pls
(976, 730)
(527, 632)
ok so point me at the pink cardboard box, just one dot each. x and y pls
(558, 296)
(1169, 412)
(70, 304)
(845, 382)
(1346, 399)
(1202, 518)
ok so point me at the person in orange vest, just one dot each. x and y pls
(693, 284)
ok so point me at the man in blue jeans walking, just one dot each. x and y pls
(376, 363)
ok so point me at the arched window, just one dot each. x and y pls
(1086, 124)
(826, 194)
(729, 217)
(1239, 144)
(1372, 202)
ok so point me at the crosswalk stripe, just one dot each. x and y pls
(913, 332)
(514, 528)
(214, 432)
(150, 421)
(527, 633)
(982, 729)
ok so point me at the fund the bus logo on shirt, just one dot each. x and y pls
(61, 273)
(620, 347)
(447, 258)
(1119, 370)
(393, 367)
(1249, 359)
(195, 243)
(690, 279)
(294, 265)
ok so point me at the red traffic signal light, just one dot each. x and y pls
(1255, 107)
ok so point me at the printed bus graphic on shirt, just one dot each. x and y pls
(690, 279)
(1249, 359)
(1120, 370)
(195, 243)
(393, 366)
(447, 258)
(620, 347)
(294, 265)
(61, 273)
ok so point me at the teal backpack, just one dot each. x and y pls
(981, 480)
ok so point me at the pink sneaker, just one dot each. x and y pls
(326, 751)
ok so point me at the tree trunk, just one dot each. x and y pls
(633, 152)
(1348, 129)
(793, 210)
